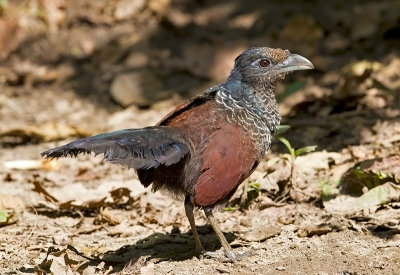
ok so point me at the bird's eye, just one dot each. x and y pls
(264, 62)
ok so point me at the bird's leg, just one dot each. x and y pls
(228, 249)
(189, 214)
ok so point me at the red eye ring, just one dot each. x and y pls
(264, 62)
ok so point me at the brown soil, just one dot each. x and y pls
(81, 216)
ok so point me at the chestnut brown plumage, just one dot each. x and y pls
(205, 148)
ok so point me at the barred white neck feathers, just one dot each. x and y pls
(257, 113)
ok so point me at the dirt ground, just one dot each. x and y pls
(70, 69)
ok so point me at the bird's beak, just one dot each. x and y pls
(295, 62)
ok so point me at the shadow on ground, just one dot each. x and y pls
(167, 247)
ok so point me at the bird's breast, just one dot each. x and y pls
(256, 115)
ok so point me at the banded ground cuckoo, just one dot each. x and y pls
(205, 148)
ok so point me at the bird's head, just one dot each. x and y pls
(262, 65)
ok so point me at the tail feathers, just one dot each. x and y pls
(63, 151)
(135, 148)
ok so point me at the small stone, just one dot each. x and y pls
(313, 230)
(137, 60)
(139, 88)
(159, 7)
(393, 222)
(60, 238)
(126, 8)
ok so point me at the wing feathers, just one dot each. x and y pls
(135, 148)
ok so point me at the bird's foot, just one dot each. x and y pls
(228, 255)
(212, 254)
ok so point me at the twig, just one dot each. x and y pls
(33, 229)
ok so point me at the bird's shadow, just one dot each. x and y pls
(159, 247)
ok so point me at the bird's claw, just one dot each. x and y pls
(214, 254)
(229, 254)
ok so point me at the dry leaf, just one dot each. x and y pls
(31, 164)
(379, 195)
(121, 196)
(312, 230)
(73, 199)
(10, 208)
(61, 262)
(49, 131)
(370, 174)
(11, 33)
(38, 187)
(107, 216)
(360, 68)
(260, 233)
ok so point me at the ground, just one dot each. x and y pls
(334, 210)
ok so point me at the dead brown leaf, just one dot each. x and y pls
(260, 233)
(69, 261)
(11, 207)
(32, 164)
(361, 68)
(280, 172)
(49, 131)
(135, 265)
(310, 230)
(371, 173)
(11, 33)
(11, 202)
(106, 216)
(388, 165)
(121, 196)
(39, 188)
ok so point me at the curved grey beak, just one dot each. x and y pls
(295, 62)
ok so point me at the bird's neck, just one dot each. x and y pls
(252, 106)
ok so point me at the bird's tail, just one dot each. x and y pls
(135, 148)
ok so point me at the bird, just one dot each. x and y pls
(206, 147)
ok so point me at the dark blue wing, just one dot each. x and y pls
(135, 148)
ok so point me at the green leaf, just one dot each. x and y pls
(291, 89)
(328, 188)
(3, 216)
(231, 208)
(306, 149)
(375, 196)
(281, 129)
(381, 175)
(254, 186)
(287, 144)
